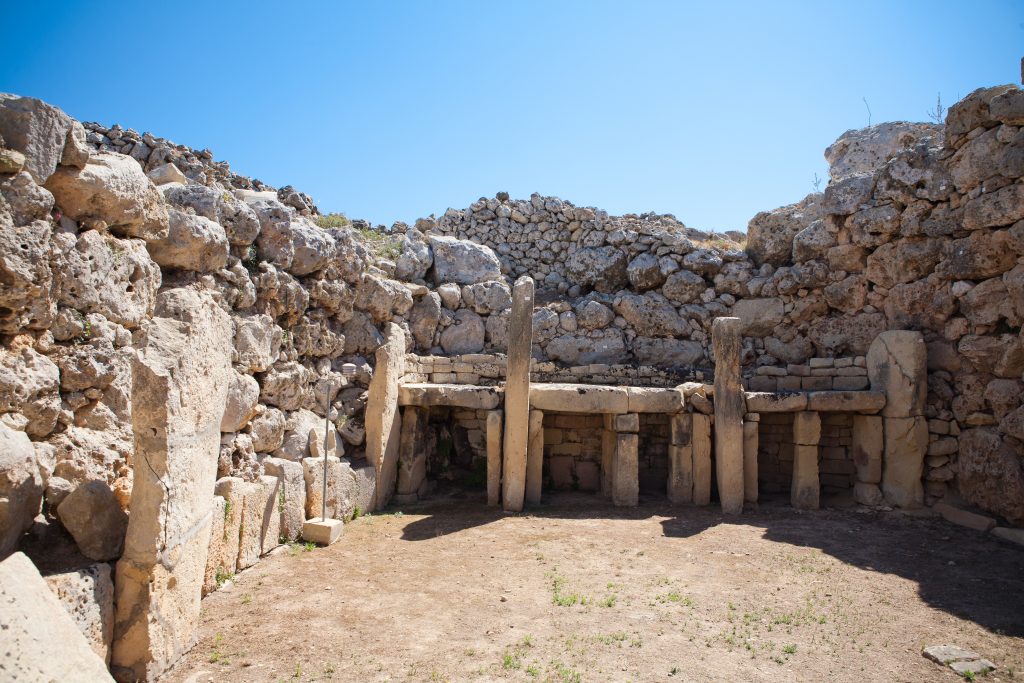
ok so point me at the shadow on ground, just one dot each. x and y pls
(964, 573)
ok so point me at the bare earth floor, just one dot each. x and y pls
(579, 591)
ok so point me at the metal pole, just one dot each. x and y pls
(327, 431)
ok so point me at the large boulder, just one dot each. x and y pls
(304, 436)
(257, 342)
(21, 487)
(111, 188)
(416, 257)
(684, 287)
(603, 268)
(487, 297)
(44, 134)
(25, 200)
(991, 473)
(668, 352)
(312, 247)
(462, 261)
(242, 404)
(645, 272)
(770, 233)
(98, 273)
(868, 149)
(758, 317)
(93, 517)
(465, 334)
(26, 299)
(606, 346)
(88, 596)
(651, 315)
(267, 430)
(835, 335)
(29, 385)
(424, 318)
(239, 221)
(286, 385)
(975, 111)
(192, 243)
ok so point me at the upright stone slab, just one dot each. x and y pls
(750, 443)
(232, 490)
(251, 536)
(383, 421)
(215, 553)
(517, 396)
(607, 455)
(906, 442)
(87, 595)
(701, 439)
(412, 456)
(535, 457)
(180, 376)
(494, 424)
(292, 494)
(729, 410)
(680, 460)
(313, 472)
(626, 484)
(805, 490)
(270, 537)
(866, 452)
(40, 640)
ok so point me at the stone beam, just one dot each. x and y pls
(453, 395)
(579, 398)
(383, 420)
(494, 424)
(517, 395)
(180, 376)
(846, 401)
(729, 410)
(653, 400)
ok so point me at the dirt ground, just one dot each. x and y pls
(579, 591)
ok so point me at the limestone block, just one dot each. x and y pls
(964, 518)
(626, 473)
(454, 395)
(270, 524)
(729, 409)
(772, 402)
(313, 472)
(805, 489)
(846, 401)
(535, 457)
(412, 456)
(806, 428)
(750, 441)
(322, 531)
(494, 425)
(897, 364)
(383, 421)
(41, 640)
(215, 551)
(517, 396)
(906, 441)
(232, 490)
(364, 484)
(701, 440)
(653, 400)
(87, 595)
(868, 494)
(21, 487)
(92, 515)
(579, 398)
(607, 457)
(866, 448)
(180, 375)
(292, 501)
(680, 461)
(628, 422)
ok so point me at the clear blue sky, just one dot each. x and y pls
(394, 110)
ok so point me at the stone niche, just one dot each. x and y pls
(836, 469)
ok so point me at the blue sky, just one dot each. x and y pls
(394, 110)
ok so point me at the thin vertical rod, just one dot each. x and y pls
(327, 431)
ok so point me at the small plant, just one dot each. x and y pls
(251, 261)
(356, 512)
(222, 576)
(533, 670)
(609, 601)
(246, 599)
(816, 183)
(938, 114)
(789, 649)
(527, 640)
(280, 500)
(298, 671)
(510, 662)
(969, 676)
(308, 546)
(868, 107)
(333, 220)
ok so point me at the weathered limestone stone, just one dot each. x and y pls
(215, 554)
(579, 398)
(757, 317)
(771, 402)
(701, 439)
(412, 456)
(867, 494)
(805, 489)
(179, 382)
(454, 395)
(607, 455)
(680, 460)
(628, 422)
(535, 457)
(906, 442)
(517, 396)
(322, 531)
(897, 364)
(232, 490)
(846, 401)
(383, 420)
(41, 640)
(93, 517)
(626, 473)
(494, 436)
(729, 411)
(964, 518)
(261, 521)
(866, 449)
(292, 494)
(313, 472)
(750, 441)
(21, 487)
(88, 596)
(462, 261)
(243, 402)
(45, 135)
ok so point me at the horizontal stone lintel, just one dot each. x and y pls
(821, 401)
(597, 398)
(454, 395)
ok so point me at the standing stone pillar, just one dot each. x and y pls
(180, 377)
(535, 457)
(680, 459)
(805, 489)
(729, 409)
(412, 457)
(607, 455)
(866, 451)
(626, 484)
(383, 420)
(517, 395)
(494, 422)
(701, 440)
(897, 365)
(750, 442)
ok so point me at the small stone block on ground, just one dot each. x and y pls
(322, 531)
(1009, 534)
(964, 518)
(964, 662)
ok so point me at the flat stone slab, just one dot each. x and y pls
(322, 531)
(846, 401)
(958, 659)
(654, 400)
(775, 402)
(455, 395)
(1009, 534)
(579, 398)
(964, 518)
